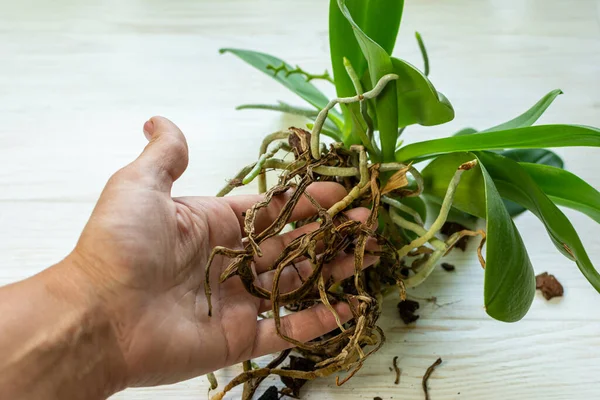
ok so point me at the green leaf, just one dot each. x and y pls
(418, 100)
(379, 64)
(423, 53)
(465, 131)
(309, 113)
(514, 183)
(282, 107)
(509, 285)
(327, 131)
(536, 156)
(565, 189)
(524, 138)
(529, 117)
(378, 19)
(295, 82)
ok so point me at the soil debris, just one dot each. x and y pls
(270, 394)
(448, 267)
(397, 370)
(407, 310)
(377, 398)
(427, 375)
(449, 228)
(549, 286)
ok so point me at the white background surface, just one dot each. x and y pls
(79, 78)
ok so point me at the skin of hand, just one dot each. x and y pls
(127, 307)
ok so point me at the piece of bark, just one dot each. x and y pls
(407, 310)
(549, 285)
(448, 267)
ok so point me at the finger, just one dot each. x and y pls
(274, 246)
(303, 326)
(165, 158)
(292, 277)
(325, 193)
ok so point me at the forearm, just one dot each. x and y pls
(56, 341)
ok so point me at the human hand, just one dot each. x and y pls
(146, 252)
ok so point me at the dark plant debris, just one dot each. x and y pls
(449, 228)
(407, 310)
(397, 370)
(293, 385)
(427, 375)
(377, 398)
(448, 267)
(270, 394)
(549, 285)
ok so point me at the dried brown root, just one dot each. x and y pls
(427, 375)
(396, 370)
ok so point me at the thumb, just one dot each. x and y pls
(166, 156)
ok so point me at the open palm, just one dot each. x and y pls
(148, 253)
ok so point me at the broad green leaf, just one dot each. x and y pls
(296, 83)
(514, 183)
(418, 100)
(536, 156)
(509, 285)
(540, 156)
(565, 189)
(524, 138)
(379, 64)
(529, 117)
(380, 20)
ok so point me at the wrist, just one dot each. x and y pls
(60, 341)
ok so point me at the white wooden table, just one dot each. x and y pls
(78, 78)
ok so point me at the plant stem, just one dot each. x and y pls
(315, 145)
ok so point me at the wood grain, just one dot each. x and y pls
(79, 78)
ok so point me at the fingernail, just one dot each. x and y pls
(149, 129)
